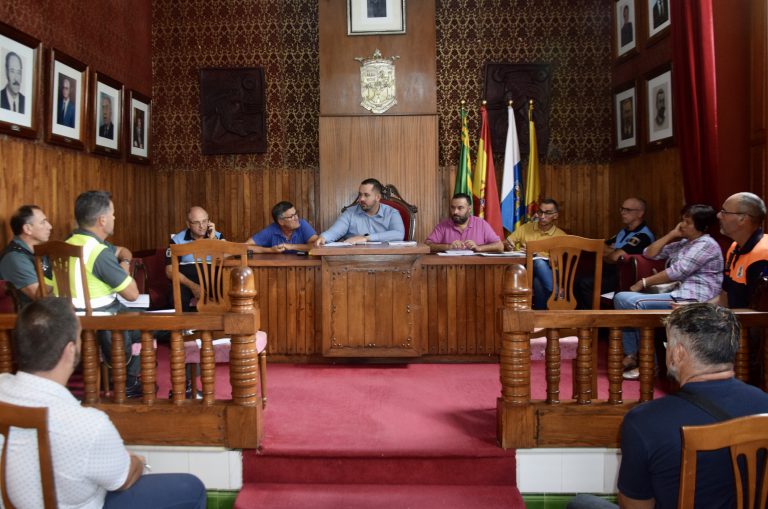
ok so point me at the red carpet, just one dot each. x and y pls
(418, 435)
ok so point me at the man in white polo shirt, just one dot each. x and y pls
(91, 466)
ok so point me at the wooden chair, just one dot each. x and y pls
(634, 267)
(9, 301)
(391, 196)
(61, 256)
(209, 256)
(564, 254)
(30, 418)
(747, 440)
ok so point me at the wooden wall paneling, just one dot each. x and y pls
(415, 70)
(396, 150)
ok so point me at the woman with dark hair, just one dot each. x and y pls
(694, 263)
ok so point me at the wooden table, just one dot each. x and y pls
(379, 301)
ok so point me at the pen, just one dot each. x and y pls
(147, 467)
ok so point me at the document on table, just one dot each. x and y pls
(402, 243)
(337, 244)
(141, 302)
(457, 252)
(608, 295)
(508, 254)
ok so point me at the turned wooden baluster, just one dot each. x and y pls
(646, 362)
(91, 366)
(552, 356)
(207, 368)
(741, 365)
(178, 378)
(118, 366)
(515, 344)
(148, 367)
(615, 368)
(243, 357)
(6, 356)
(583, 373)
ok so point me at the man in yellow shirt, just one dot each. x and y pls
(543, 227)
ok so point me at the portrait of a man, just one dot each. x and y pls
(660, 13)
(106, 125)
(65, 111)
(660, 116)
(11, 98)
(138, 128)
(627, 33)
(377, 8)
(627, 119)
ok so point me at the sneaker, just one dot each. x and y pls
(187, 392)
(632, 374)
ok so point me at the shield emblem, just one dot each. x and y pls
(377, 82)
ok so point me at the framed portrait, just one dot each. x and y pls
(658, 18)
(107, 100)
(20, 54)
(66, 100)
(625, 115)
(137, 137)
(658, 90)
(625, 39)
(369, 17)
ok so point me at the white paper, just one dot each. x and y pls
(402, 243)
(141, 302)
(608, 295)
(508, 254)
(457, 252)
(337, 244)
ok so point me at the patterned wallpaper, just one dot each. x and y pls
(572, 35)
(112, 36)
(281, 35)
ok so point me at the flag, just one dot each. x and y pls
(464, 173)
(532, 179)
(486, 193)
(512, 207)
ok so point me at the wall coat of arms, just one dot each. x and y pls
(377, 82)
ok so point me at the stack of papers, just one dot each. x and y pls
(337, 244)
(402, 243)
(457, 252)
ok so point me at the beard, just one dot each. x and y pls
(457, 219)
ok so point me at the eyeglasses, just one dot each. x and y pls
(725, 213)
(546, 212)
(625, 209)
(198, 223)
(292, 216)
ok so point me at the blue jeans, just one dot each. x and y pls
(542, 283)
(104, 337)
(160, 491)
(635, 300)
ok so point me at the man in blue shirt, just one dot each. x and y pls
(701, 350)
(288, 234)
(369, 220)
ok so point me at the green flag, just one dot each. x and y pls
(464, 173)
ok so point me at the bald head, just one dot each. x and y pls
(197, 221)
(632, 212)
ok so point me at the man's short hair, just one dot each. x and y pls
(703, 216)
(280, 208)
(754, 206)
(375, 183)
(710, 333)
(43, 329)
(550, 201)
(462, 195)
(8, 59)
(22, 216)
(90, 205)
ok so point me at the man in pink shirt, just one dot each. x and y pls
(463, 230)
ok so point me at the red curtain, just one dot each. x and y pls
(695, 98)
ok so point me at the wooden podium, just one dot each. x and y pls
(371, 300)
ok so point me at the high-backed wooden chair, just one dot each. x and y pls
(209, 256)
(564, 255)
(747, 440)
(62, 257)
(30, 418)
(391, 196)
(565, 252)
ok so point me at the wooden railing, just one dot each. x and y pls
(584, 420)
(234, 423)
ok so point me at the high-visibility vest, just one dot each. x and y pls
(101, 293)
